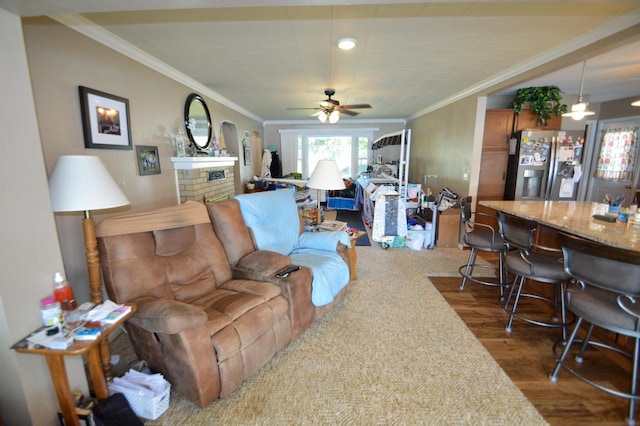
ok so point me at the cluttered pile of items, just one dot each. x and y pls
(409, 223)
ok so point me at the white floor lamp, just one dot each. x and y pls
(326, 176)
(82, 183)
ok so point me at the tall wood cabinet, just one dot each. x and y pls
(528, 120)
(498, 126)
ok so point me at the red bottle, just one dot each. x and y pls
(63, 293)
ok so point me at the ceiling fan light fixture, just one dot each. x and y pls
(322, 117)
(636, 103)
(347, 43)
(579, 110)
(334, 116)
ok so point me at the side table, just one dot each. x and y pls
(353, 255)
(58, 371)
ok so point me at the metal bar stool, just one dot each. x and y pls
(481, 237)
(607, 296)
(532, 262)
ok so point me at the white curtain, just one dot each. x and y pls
(289, 152)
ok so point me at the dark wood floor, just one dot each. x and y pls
(526, 356)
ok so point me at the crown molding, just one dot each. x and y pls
(594, 35)
(95, 32)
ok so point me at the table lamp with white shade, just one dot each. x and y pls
(326, 176)
(81, 183)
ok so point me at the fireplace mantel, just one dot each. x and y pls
(191, 163)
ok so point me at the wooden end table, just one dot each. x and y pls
(353, 255)
(58, 371)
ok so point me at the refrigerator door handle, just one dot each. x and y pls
(551, 169)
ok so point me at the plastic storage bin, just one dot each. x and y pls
(340, 203)
(148, 407)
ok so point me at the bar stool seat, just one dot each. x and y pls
(528, 265)
(607, 296)
(481, 237)
(549, 268)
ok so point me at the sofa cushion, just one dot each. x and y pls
(231, 229)
(330, 273)
(273, 218)
(167, 316)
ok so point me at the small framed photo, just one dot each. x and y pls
(105, 120)
(148, 160)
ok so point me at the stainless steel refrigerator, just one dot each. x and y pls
(544, 165)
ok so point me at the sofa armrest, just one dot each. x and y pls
(167, 316)
(260, 265)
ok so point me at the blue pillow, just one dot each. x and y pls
(326, 240)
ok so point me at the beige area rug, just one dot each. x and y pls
(393, 352)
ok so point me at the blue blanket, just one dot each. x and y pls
(273, 218)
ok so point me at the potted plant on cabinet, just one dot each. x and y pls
(542, 101)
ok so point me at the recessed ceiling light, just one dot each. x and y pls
(347, 43)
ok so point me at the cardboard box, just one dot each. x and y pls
(449, 228)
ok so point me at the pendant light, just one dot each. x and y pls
(579, 110)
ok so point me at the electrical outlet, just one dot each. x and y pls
(465, 176)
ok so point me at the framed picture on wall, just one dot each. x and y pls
(246, 148)
(105, 120)
(148, 160)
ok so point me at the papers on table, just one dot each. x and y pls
(333, 225)
(60, 340)
(109, 312)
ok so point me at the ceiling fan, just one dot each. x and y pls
(331, 108)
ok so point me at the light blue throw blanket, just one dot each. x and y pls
(273, 218)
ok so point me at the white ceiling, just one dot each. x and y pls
(411, 57)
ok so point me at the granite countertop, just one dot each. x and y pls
(574, 217)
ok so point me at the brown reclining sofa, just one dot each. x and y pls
(210, 310)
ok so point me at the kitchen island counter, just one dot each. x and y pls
(574, 217)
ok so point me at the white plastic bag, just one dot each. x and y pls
(415, 240)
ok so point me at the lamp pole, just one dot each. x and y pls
(95, 284)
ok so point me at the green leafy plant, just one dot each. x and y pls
(542, 101)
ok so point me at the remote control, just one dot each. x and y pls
(286, 272)
(602, 217)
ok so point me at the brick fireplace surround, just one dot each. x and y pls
(204, 179)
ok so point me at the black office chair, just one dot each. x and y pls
(481, 237)
(607, 297)
(532, 262)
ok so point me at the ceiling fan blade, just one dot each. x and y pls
(294, 109)
(348, 112)
(356, 106)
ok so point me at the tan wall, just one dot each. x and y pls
(29, 253)
(60, 60)
(442, 143)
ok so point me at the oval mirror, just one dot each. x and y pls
(197, 121)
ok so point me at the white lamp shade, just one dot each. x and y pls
(326, 176)
(334, 116)
(82, 183)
